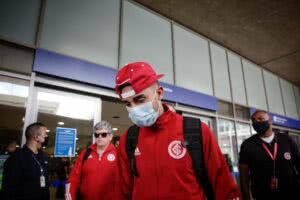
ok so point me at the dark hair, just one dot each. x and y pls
(258, 111)
(33, 129)
(121, 87)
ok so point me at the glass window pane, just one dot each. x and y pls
(13, 99)
(273, 92)
(243, 132)
(91, 35)
(19, 20)
(289, 99)
(141, 40)
(220, 72)
(297, 96)
(254, 85)
(237, 79)
(227, 141)
(225, 109)
(16, 58)
(242, 112)
(191, 56)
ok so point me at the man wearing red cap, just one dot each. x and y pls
(165, 169)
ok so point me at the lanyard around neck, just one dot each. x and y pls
(273, 156)
(38, 163)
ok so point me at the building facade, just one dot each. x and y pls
(58, 60)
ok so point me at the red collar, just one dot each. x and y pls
(109, 148)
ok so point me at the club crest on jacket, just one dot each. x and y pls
(176, 150)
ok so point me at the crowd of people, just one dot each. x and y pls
(162, 156)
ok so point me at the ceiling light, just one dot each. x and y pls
(47, 130)
(115, 129)
(60, 123)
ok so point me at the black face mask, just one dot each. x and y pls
(261, 127)
(45, 143)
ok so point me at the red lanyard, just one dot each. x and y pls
(273, 157)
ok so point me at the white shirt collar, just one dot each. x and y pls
(268, 139)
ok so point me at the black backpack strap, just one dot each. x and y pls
(193, 141)
(86, 155)
(131, 142)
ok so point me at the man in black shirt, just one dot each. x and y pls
(26, 172)
(270, 162)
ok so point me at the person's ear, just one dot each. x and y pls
(160, 92)
(36, 137)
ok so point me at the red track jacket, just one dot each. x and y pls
(165, 167)
(98, 175)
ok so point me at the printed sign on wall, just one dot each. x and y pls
(65, 142)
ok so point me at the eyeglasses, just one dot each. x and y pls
(103, 135)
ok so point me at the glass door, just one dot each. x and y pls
(13, 100)
(58, 110)
(227, 142)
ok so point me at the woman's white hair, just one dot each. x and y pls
(103, 125)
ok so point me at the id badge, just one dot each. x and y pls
(274, 183)
(42, 181)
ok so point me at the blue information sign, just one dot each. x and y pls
(65, 142)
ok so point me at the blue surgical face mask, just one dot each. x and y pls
(143, 115)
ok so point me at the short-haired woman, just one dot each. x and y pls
(92, 176)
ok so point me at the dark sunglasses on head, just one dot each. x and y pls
(103, 135)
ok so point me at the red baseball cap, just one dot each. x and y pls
(139, 75)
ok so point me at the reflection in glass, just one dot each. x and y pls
(68, 111)
(58, 110)
(13, 98)
(227, 140)
(243, 132)
(66, 106)
(225, 108)
(242, 112)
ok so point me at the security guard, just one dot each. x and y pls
(270, 161)
(26, 172)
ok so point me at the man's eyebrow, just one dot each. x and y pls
(124, 101)
(138, 96)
